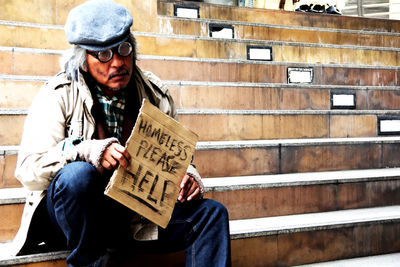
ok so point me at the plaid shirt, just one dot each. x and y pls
(113, 109)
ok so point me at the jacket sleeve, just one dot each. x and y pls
(41, 153)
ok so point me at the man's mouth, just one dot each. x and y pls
(118, 74)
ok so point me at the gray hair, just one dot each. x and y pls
(74, 59)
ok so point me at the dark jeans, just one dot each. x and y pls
(92, 222)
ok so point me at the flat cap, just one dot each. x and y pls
(98, 25)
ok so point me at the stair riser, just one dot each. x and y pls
(43, 38)
(50, 12)
(244, 127)
(316, 246)
(262, 73)
(261, 127)
(285, 18)
(48, 38)
(19, 94)
(268, 202)
(197, 48)
(252, 32)
(291, 159)
(256, 203)
(7, 167)
(45, 11)
(255, 161)
(18, 63)
(10, 220)
(294, 249)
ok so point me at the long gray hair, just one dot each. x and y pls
(74, 59)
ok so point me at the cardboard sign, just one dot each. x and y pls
(161, 151)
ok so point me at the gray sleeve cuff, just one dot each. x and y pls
(192, 172)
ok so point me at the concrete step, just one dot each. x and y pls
(334, 235)
(315, 237)
(247, 124)
(285, 33)
(241, 158)
(268, 195)
(12, 202)
(218, 70)
(17, 91)
(54, 13)
(284, 194)
(387, 260)
(206, 47)
(258, 157)
(277, 96)
(181, 45)
(218, 48)
(278, 17)
(18, 61)
(35, 35)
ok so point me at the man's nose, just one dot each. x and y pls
(117, 60)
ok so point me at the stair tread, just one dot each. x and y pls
(12, 195)
(292, 179)
(248, 228)
(188, 111)
(387, 260)
(17, 195)
(203, 145)
(312, 221)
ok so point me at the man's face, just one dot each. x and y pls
(112, 75)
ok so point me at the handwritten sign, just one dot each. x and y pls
(161, 151)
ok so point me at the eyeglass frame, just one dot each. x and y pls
(95, 54)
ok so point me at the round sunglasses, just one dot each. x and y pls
(124, 50)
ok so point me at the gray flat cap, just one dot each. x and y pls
(98, 25)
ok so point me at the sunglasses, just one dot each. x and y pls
(124, 50)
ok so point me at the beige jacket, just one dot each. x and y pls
(61, 110)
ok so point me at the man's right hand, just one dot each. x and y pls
(115, 155)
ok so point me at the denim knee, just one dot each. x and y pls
(78, 179)
(218, 209)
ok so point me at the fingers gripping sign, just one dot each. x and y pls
(189, 189)
(115, 155)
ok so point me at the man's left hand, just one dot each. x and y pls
(189, 189)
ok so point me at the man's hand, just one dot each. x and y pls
(189, 189)
(115, 155)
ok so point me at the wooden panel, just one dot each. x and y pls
(316, 246)
(295, 126)
(384, 99)
(256, 203)
(9, 224)
(264, 73)
(353, 126)
(35, 64)
(229, 97)
(389, 155)
(41, 11)
(20, 36)
(255, 252)
(305, 99)
(17, 94)
(11, 127)
(236, 162)
(254, 127)
(9, 180)
(330, 157)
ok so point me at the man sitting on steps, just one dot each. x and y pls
(74, 138)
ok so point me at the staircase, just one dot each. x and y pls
(306, 180)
